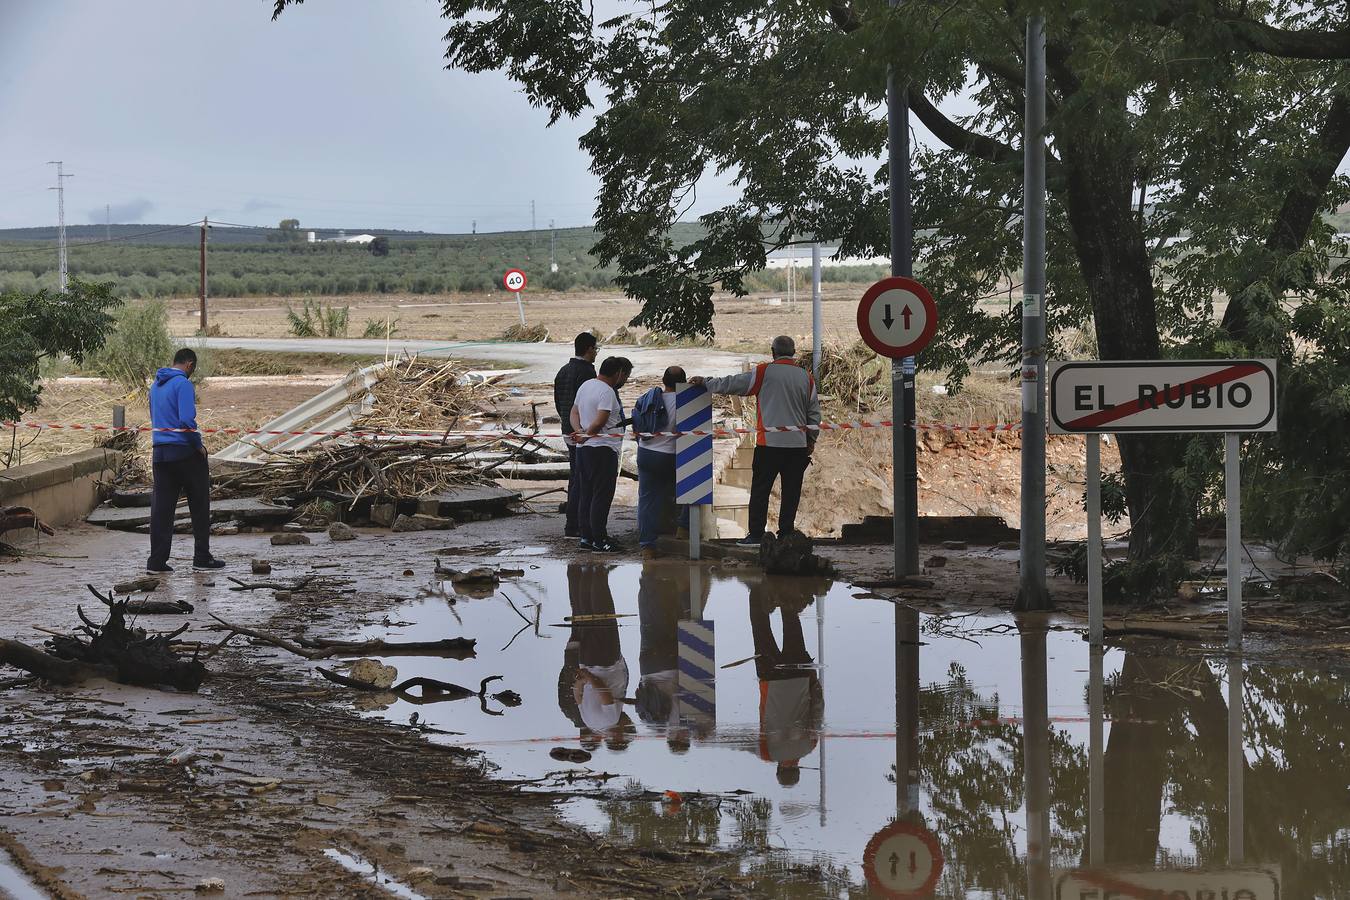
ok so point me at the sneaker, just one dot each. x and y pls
(164, 569)
(209, 565)
(585, 545)
(607, 546)
(749, 541)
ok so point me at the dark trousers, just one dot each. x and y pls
(770, 463)
(772, 661)
(599, 473)
(656, 494)
(172, 479)
(573, 491)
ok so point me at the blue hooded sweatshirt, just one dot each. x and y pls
(173, 404)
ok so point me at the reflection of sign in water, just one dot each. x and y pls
(902, 860)
(1254, 883)
(697, 682)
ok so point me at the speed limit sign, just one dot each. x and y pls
(514, 280)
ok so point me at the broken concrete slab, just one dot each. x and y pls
(453, 502)
(289, 538)
(421, 522)
(244, 509)
(979, 529)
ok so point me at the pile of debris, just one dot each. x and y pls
(424, 395)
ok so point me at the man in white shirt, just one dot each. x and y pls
(597, 423)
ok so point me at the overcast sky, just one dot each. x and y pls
(338, 114)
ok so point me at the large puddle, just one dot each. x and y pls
(776, 713)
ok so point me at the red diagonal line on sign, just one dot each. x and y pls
(1108, 882)
(1175, 392)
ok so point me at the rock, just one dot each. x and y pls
(373, 672)
(341, 531)
(569, 754)
(422, 522)
(225, 528)
(935, 562)
(791, 555)
(282, 596)
(954, 545)
(137, 585)
(261, 566)
(1009, 545)
(289, 538)
(479, 575)
(383, 514)
(210, 886)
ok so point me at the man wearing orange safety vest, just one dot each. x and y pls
(785, 394)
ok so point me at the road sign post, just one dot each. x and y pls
(897, 318)
(1228, 396)
(693, 457)
(515, 280)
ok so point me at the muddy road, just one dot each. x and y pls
(693, 731)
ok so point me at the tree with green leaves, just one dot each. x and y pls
(38, 326)
(1194, 145)
(288, 232)
(379, 246)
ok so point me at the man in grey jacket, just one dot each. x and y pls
(785, 394)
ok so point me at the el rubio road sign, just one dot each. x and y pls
(1255, 883)
(514, 279)
(897, 317)
(1227, 395)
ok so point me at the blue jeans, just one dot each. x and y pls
(656, 492)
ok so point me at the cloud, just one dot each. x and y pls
(127, 211)
(256, 205)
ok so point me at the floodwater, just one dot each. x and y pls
(14, 885)
(778, 710)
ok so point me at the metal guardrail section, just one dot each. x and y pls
(332, 410)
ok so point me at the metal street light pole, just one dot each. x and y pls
(904, 459)
(1032, 593)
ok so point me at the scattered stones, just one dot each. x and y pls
(569, 754)
(225, 528)
(422, 522)
(261, 566)
(954, 545)
(935, 562)
(341, 531)
(144, 584)
(288, 538)
(373, 672)
(282, 596)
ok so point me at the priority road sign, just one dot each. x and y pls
(902, 860)
(1226, 395)
(514, 279)
(897, 317)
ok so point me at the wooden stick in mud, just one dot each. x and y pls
(459, 648)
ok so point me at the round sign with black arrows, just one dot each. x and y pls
(902, 861)
(897, 317)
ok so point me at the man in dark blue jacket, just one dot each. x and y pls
(577, 371)
(179, 459)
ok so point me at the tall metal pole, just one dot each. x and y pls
(816, 315)
(904, 448)
(107, 221)
(61, 176)
(1232, 485)
(1032, 593)
(203, 273)
(1237, 761)
(1036, 754)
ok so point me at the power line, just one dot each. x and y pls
(46, 248)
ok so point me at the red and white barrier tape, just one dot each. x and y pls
(495, 435)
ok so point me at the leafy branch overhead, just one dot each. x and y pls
(1195, 147)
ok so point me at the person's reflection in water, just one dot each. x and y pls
(594, 678)
(791, 702)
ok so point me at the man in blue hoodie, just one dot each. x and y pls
(179, 459)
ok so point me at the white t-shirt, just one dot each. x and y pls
(592, 397)
(664, 444)
(597, 714)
